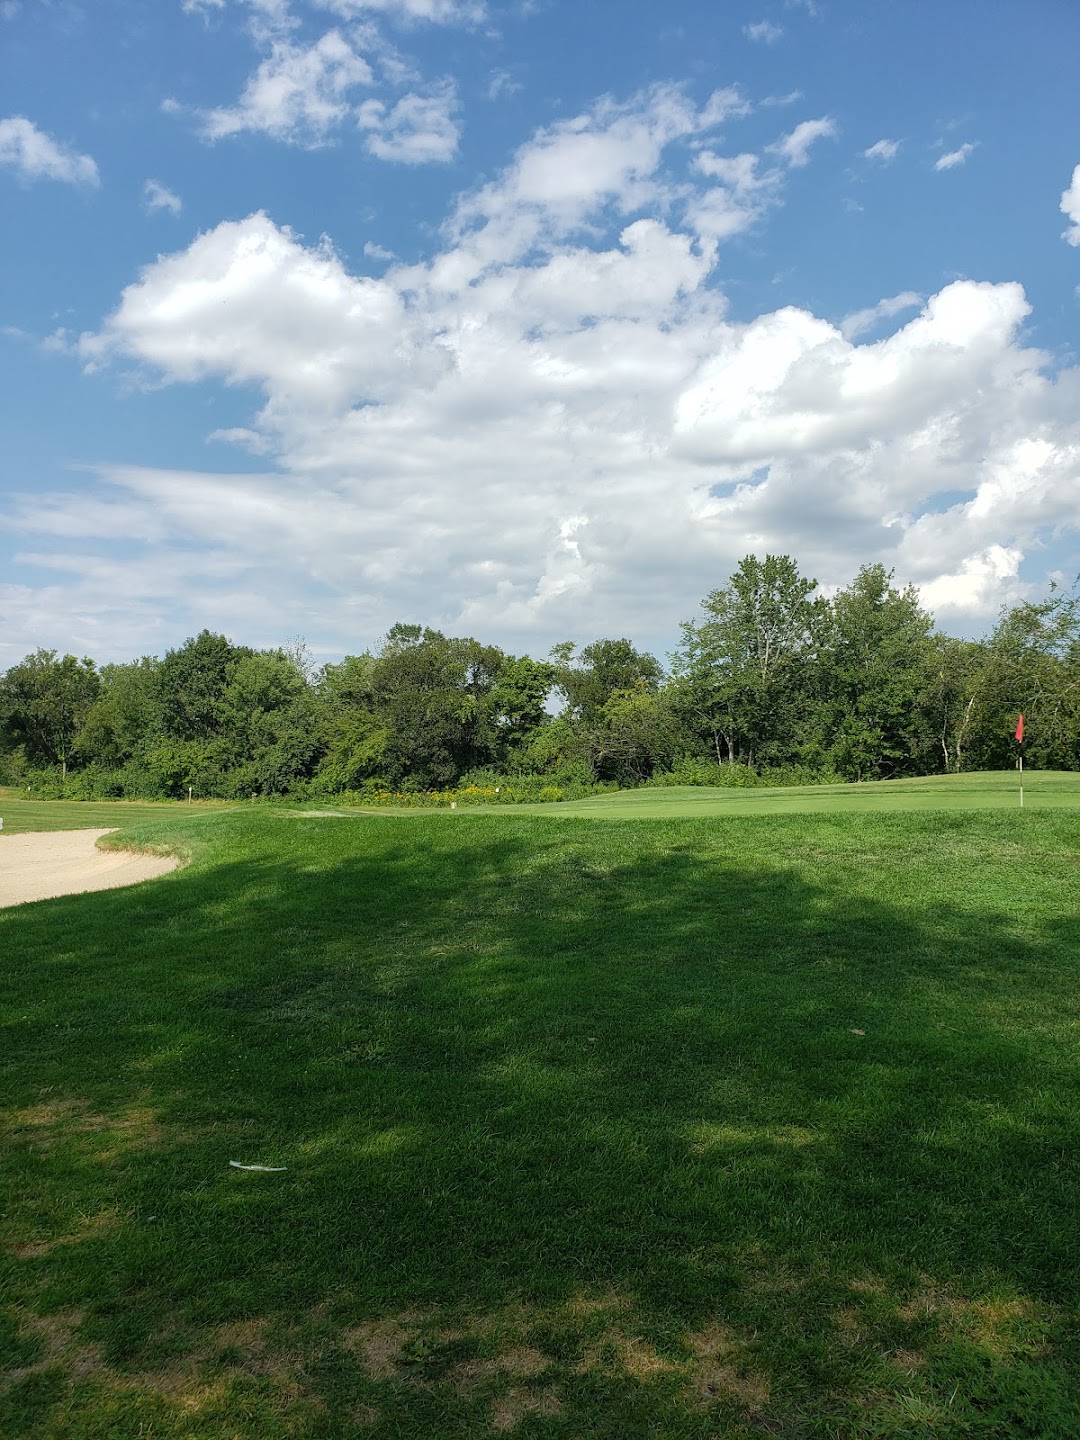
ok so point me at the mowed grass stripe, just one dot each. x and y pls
(995, 790)
(694, 1128)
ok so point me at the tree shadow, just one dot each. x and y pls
(614, 1129)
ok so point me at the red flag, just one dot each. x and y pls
(1020, 730)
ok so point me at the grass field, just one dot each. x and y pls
(729, 1126)
(994, 791)
(21, 816)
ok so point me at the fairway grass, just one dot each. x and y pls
(700, 1127)
(994, 790)
(22, 816)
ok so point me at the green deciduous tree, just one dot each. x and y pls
(44, 703)
(191, 685)
(126, 715)
(433, 696)
(745, 671)
(268, 737)
(519, 701)
(952, 702)
(875, 658)
(588, 680)
(1033, 665)
(633, 736)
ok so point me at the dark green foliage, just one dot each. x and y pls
(601, 670)
(519, 701)
(691, 1129)
(633, 736)
(434, 695)
(1033, 665)
(191, 685)
(128, 709)
(44, 703)
(874, 659)
(772, 679)
(745, 671)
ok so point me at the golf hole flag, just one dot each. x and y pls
(1020, 731)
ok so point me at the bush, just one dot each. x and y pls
(518, 790)
(694, 771)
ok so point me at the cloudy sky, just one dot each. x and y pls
(528, 318)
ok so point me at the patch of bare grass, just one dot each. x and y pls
(722, 1371)
(512, 1408)
(51, 1122)
(89, 1227)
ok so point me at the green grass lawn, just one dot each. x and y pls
(21, 816)
(997, 790)
(701, 1127)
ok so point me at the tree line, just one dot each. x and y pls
(772, 683)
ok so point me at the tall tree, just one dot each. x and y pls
(519, 701)
(44, 703)
(433, 695)
(745, 670)
(126, 715)
(952, 702)
(634, 735)
(191, 683)
(1033, 665)
(268, 737)
(600, 670)
(354, 738)
(875, 660)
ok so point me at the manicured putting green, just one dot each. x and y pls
(992, 791)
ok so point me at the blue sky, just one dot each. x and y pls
(528, 320)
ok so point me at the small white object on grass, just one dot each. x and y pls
(273, 1169)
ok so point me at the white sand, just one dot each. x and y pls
(67, 862)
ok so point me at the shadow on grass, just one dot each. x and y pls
(585, 1133)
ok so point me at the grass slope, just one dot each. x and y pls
(995, 790)
(730, 1127)
(21, 816)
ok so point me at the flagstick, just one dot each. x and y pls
(1021, 780)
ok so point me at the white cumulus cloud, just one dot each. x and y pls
(860, 321)
(501, 85)
(159, 197)
(33, 155)
(883, 150)
(795, 147)
(418, 130)
(741, 194)
(953, 158)
(608, 157)
(554, 426)
(438, 12)
(297, 94)
(765, 31)
(977, 586)
(1070, 207)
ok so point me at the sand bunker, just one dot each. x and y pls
(67, 862)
